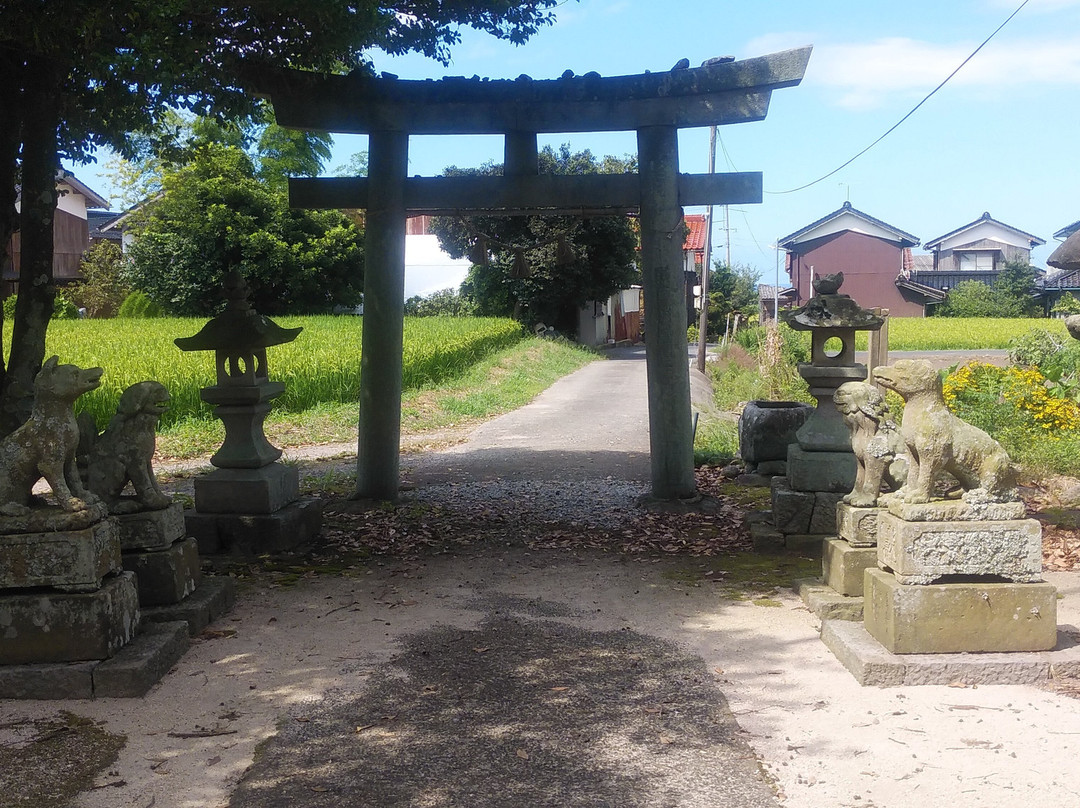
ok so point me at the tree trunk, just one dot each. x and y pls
(40, 164)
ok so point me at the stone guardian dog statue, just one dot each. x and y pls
(939, 441)
(45, 445)
(876, 441)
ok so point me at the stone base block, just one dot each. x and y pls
(826, 602)
(872, 665)
(250, 491)
(165, 576)
(766, 539)
(213, 598)
(842, 566)
(129, 674)
(791, 509)
(823, 519)
(857, 525)
(963, 617)
(806, 544)
(923, 552)
(47, 626)
(254, 534)
(954, 510)
(820, 471)
(73, 560)
(150, 530)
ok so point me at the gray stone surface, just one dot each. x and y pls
(955, 510)
(252, 534)
(150, 530)
(923, 552)
(165, 576)
(959, 617)
(820, 471)
(140, 664)
(774, 468)
(766, 539)
(873, 666)
(823, 519)
(255, 491)
(791, 509)
(43, 626)
(50, 680)
(74, 560)
(213, 598)
(857, 525)
(767, 427)
(842, 566)
(806, 544)
(826, 603)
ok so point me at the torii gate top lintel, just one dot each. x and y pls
(714, 94)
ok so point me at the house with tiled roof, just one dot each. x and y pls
(871, 253)
(71, 232)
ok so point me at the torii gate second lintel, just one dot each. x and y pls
(655, 105)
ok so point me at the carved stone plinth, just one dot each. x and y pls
(924, 552)
(165, 576)
(959, 617)
(72, 561)
(249, 491)
(42, 626)
(842, 566)
(150, 530)
(857, 525)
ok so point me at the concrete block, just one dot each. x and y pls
(150, 530)
(247, 491)
(213, 598)
(959, 617)
(71, 560)
(857, 525)
(872, 665)
(842, 566)
(45, 626)
(823, 519)
(255, 534)
(826, 603)
(141, 663)
(791, 509)
(54, 680)
(165, 576)
(923, 552)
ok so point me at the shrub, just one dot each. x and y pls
(692, 334)
(444, 303)
(138, 306)
(63, 309)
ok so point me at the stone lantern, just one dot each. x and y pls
(250, 503)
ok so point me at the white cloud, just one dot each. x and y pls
(863, 74)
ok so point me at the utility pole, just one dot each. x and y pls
(703, 322)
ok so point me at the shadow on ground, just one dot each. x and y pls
(524, 710)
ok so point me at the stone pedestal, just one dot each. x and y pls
(165, 576)
(255, 491)
(957, 617)
(935, 546)
(842, 566)
(44, 626)
(832, 471)
(150, 530)
(70, 560)
(858, 526)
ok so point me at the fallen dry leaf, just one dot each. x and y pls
(521, 753)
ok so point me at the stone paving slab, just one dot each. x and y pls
(826, 602)
(870, 664)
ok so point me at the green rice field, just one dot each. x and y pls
(958, 333)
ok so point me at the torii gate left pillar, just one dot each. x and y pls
(655, 105)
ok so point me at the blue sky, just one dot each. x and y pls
(1001, 136)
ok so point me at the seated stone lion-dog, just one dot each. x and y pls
(45, 445)
(876, 441)
(939, 441)
(124, 452)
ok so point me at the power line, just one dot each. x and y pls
(896, 125)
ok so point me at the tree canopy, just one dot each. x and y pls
(76, 75)
(732, 290)
(544, 268)
(1010, 295)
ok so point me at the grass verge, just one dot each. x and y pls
(498, 383)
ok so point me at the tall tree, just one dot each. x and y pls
(544, 268)
(78, 74)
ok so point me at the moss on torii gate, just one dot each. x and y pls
(655, 105)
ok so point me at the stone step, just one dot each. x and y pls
(213, 598)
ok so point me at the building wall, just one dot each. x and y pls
(870, 266)
(71, 237)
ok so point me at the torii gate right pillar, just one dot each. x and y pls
(671, 437)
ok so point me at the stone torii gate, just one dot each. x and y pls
(655, 105)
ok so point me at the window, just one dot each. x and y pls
(976, 261)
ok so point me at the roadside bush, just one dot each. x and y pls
(63, 309)
(138, 306)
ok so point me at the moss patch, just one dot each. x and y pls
(746, 576)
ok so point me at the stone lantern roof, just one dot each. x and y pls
(239, 328)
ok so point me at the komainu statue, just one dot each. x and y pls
(876, 440)
(939, 441)
(45, 445)
(124, 452)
